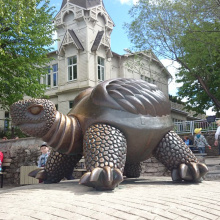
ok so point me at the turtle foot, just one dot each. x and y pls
(105, 178)
(38, 173)
(192, 172)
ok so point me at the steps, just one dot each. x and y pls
(214, 168)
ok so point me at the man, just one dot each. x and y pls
(217, 135)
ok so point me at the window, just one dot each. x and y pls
(55, 74)
(46, 78)
(48, 81)
(72, 68)
(56, 106)
(101, 69)
(147, 79)
(71, 103)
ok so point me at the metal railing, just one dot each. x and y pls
(185, 127)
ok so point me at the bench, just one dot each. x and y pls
(5, 164)
(193, 148)
(81, 166)
(80, 169)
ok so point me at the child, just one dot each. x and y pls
(200, 141)
(45, 153)
(1, 160)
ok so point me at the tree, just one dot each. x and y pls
(26, 31)
(202, 83)
(178, 30)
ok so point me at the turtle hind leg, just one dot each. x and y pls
(105, 154)
(57, 167)
(177, 157)
(132, 170)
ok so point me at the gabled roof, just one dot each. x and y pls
(97, 41)
(151, 55)
(76, 40)
(83, 3)
(70, 37)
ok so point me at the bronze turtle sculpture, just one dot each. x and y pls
(115, 126)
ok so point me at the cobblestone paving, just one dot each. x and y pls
(155, 198)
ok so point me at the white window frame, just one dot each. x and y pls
(45, 78)
(101, 69)
(55, 73)
(72, 68)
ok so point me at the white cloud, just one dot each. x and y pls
(172, 67)
(54, 46)
(129, 2)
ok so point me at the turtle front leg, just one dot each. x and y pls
(105, 155)
(177, 157)
(58, 166)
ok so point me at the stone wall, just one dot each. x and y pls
(152, 167)
(23, 152)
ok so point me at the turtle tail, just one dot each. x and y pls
(65, 135)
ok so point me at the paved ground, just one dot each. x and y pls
(143, 198)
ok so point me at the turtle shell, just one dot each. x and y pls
(137, 108)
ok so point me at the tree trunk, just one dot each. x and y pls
(206, 89)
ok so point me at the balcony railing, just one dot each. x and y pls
(185, 127)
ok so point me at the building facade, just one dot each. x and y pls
(84, 57)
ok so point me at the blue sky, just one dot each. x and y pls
(118, 11)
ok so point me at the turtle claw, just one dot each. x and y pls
(192, 172)
(105, 178)
(38, 173)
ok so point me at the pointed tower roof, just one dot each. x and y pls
(83, 3)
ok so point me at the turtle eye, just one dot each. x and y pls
(35, 109)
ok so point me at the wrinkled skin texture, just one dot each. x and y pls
(35, 117)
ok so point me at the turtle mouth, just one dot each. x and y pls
(34, 129)
(28, 124)
(30, 127)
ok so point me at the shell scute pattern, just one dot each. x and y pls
(135, 96)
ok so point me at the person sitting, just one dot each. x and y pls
(187, 140)
(1, 160)
(44, 155)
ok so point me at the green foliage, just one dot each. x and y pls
(26, 31)
(175, 99)
(10, 134)
(201, 62)
(186, 31)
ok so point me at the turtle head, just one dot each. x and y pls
(34, 117)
